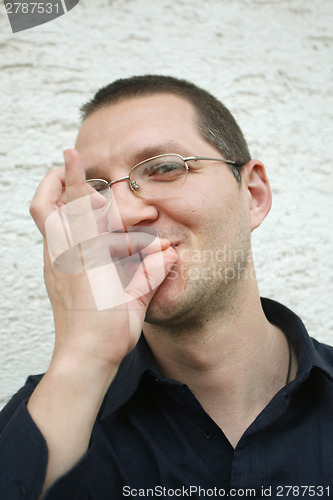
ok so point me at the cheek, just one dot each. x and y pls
(191, 216)
(205, 209)
(196, 200)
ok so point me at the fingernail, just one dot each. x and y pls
(164, 243)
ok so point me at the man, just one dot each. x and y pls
(223, 394)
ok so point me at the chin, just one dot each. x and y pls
(165, 304)
(170, 303)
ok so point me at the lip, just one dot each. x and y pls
(175, 246)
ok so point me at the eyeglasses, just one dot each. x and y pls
(156, 178)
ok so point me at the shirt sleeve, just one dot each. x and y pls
(24, 456)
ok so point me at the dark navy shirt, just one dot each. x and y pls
(152, 438)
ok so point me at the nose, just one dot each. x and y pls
(127, 209)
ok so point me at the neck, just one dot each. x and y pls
(236, 361)
(202, 344)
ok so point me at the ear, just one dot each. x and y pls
(259, 191)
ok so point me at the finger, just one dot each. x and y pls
(98, 251)
(78, 215)
(114, 247)
(122, 245)
(76, 184)
(47, 197)
(75, 177)
(150, 274)
(108, 291)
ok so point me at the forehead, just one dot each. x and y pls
(138, 125)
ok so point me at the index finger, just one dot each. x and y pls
(75, 177)
(78, 215)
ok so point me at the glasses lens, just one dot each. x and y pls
(100, 193)
(159, 177)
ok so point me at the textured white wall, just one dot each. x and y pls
(269, 61)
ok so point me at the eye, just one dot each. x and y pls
(162, 171)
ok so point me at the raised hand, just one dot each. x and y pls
(100, 282)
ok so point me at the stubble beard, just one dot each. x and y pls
(204, 286)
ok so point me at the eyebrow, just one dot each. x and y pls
(157, 149)
(94, 171)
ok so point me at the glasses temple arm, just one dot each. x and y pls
(230, 162)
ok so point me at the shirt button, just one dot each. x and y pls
(207, 431)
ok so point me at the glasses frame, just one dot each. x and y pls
(134, 186)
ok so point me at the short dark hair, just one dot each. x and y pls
(215, 122)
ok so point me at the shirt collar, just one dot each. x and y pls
(140, 360)
(310, 353)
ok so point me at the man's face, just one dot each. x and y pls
(207, 220)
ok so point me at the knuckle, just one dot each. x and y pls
(33, 208)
